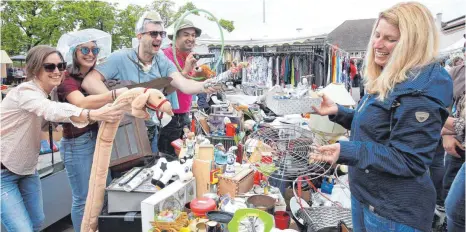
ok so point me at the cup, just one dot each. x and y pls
(282, 220)
(230, 129)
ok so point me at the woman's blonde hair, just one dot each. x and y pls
(416, 47)
(36, 57)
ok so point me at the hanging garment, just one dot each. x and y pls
(329, 64)
(277, 70)
(269, 83)
(334, 68)
(287, 70)
(292, 73)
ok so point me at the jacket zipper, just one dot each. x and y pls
(364, 103)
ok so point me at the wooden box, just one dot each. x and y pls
(242, 182)
(131, 142)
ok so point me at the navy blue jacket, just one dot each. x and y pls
(392, 145)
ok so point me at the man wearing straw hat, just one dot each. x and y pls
(185, 41)
(143, 64)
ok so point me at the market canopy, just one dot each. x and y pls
(455, 47)
(261, 42)
(4, 58)
(18, 57)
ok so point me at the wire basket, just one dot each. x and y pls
(283, 153)
(225, 140)
(324, 218)
(290, 106)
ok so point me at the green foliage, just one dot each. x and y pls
(126, 22)
(25, 24)
(228, 25)
(165, 9)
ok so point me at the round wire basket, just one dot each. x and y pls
(283, 153)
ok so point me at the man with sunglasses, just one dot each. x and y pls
(144, 64)
(185, 41)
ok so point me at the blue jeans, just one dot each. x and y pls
(77, 155)
(454, 204)
(452, 166)
(153, 144)
(22, 206)
(365, 219)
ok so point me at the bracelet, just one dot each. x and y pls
(113, 95)
(89, 116)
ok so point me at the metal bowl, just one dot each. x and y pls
(262, 202)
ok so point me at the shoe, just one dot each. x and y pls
(440, 208)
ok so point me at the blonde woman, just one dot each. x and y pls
(396, 127)
(24, 111)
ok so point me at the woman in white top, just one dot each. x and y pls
(23, 113)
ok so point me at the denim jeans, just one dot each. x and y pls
(366, 220)
(452, 166)
(22, 206)
(77, 155)
(454, 204)
(171, 132)
(153, 138)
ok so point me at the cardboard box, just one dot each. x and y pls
(201, 171)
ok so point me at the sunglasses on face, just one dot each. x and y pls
(48, 67)
(154, 34)
(86, 50)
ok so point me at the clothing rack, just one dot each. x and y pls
(339, 49)
(280, 53)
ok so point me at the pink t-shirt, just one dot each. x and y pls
(184, 100)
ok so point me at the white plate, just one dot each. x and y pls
(294, 206)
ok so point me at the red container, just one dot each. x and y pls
(258, 177)
(282, 220)
(200, 206)
(230, 129)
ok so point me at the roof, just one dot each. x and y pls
(260, 42)
(4, 58)
(454, 23)
(352, 35)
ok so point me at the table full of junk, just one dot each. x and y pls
(243, 165)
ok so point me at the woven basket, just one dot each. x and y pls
(181, 221)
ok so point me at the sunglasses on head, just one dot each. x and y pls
(49, 67)
(154, 34)
(86, 50)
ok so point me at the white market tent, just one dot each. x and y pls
(454, 48)
(255, 34)
(4, 60)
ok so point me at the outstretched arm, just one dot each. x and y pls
(94, 83)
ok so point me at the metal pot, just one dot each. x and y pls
(262, 202)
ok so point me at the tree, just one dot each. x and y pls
(164, 7)
(228, 25)
(26, 24)
(183, 9)
(126, 22)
